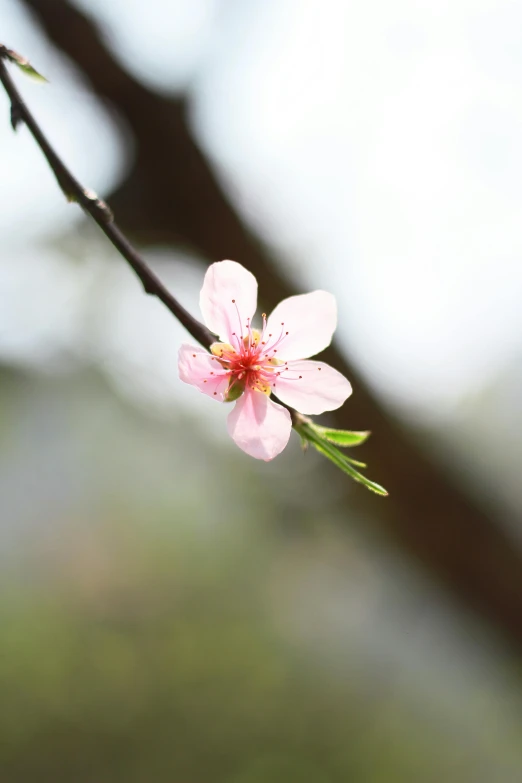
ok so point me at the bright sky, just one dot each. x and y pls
(378, 144)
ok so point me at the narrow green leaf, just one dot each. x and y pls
(24, 65)
(28, 69)
(344, 438)
(355, 462)
(338, 458)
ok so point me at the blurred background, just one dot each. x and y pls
(170, 609)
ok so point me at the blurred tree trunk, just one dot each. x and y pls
(172, 196)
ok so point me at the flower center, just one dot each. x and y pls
(252, 362)
(247, 364)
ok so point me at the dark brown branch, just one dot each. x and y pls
(97, 209)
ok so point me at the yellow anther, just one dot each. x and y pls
(218, 349)
(264, 388)
(253, 338)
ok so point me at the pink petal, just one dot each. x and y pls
(312, 387)
(259, 426)
(199, 368)
(228, 299)
(309, 319)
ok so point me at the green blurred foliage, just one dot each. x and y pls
(155, 608)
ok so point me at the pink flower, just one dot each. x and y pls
(247, 364)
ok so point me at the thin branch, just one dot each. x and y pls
(97, 209)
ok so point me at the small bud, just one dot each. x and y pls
(22, 63)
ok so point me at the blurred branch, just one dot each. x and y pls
(171, 195)
(97, 209)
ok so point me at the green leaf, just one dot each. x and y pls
(345, 438)
(355, 462)
(329, 451)
(335, 456)
(24, 65)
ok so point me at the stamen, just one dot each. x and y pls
(263, 316)
(279, 339)
(240, 336)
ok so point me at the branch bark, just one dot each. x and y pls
(172, 195)
(96, 208)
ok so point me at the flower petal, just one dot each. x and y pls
(259, 426)
(312, 387)
(228, 299)
(309, 319)
(199, 368)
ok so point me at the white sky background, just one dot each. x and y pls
(378, 144)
